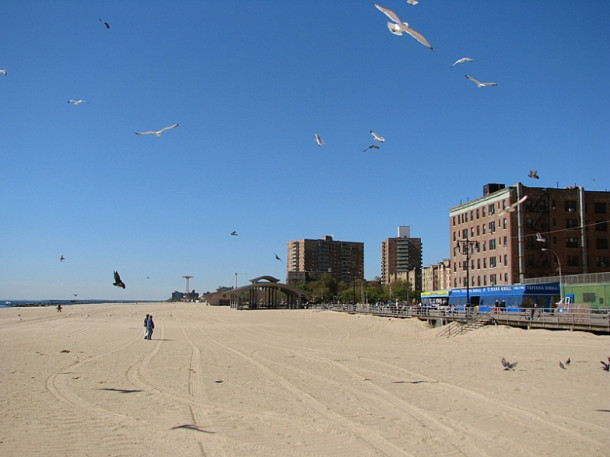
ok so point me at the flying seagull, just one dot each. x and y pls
(605, 366)
(540, 238)
(234, 233)
(513, 207)
(533, 174)
(319, 140)
(117, 280)
(377, 137)
(507, 365)
(398, 27)
(277, 257)
(462, 60)
(105, 24)
(479, 83)
(412, 2)
(3, 71)
(77, 102)
(62, 258)
(158, 132)
(568, 361)
(372, 146)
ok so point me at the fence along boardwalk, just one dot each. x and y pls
(578, 318)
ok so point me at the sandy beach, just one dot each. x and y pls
(220, 382)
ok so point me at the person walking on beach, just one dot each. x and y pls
(150, 326)
(145, 326)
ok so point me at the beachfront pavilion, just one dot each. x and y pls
(262, 292)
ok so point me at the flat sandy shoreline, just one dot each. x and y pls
(219, 382)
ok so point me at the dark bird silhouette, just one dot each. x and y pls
(233, 233)
(105, 24)
(277, 257)
(508, 365)
(117, 280)
(605, 366)
(372, 146)
(561, 365)
(534, 174)
(62, 258)
(568, 361)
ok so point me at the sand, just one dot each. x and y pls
(219, 382)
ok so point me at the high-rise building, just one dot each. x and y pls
(518, 232)
(309, 260)
(401, 255)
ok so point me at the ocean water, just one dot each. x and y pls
(18, 303)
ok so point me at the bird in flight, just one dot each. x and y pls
(533, 174)
(62, 258)
(3, 71)
(398, 27)
(372, 146)
(540, 238)
(377, 137)
(568, 361)
(77, 102)
(117, 280)
(319, 140)
(105, 24)
(479, 83)
(605, 366)
(507, 365)
(412, 2)
(513, 207)
(277, 257)
(234, 233)
(462, 60)
(158, 132)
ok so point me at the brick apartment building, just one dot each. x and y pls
(491, 245)
(310, 259)
(401, 258)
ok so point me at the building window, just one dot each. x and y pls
(573, 261)
(484, 280)
(492, 244)
(465, 233)
(478, 230)
(572, 242)
(484, 245)
(603, 261)
(570, 205)
(505, 259)
(530, 260)
(472, 232)
(484, 229)
(453, 220)
(600, 207)
(483, 211)
(601, 243)
(478, 280)
(571, 223)
(492, 280)
(454, 236)
(505, 241)
(478, 264)
(491, 209)
(492, 227)
(485, 262)
(505, 223)
(601, 226)
(492, 262)
(477, 213)
(465, 217)
(529, 223)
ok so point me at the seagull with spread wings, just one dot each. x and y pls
(462, 60)
(158, 132)
(533, 174)
(398, 27)
(105, 24)
(508, 365)
(377, 137)
(479, 83)
(77, 102)
(3, 71)
(372, 146)
(513, 207)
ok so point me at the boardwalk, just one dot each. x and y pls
(586, 319)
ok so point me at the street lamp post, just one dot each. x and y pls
(466, 247)
(559, 266)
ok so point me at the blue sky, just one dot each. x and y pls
(250, 82)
